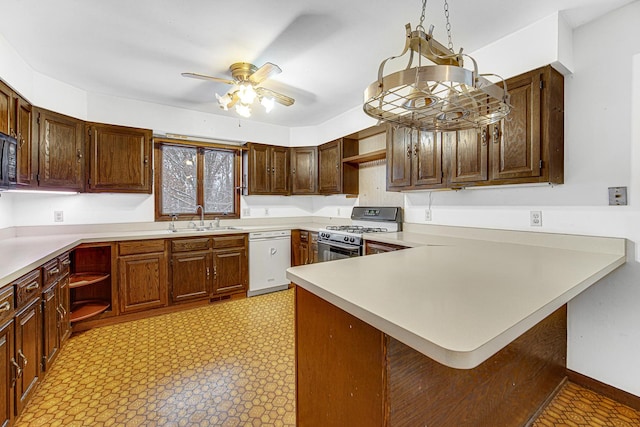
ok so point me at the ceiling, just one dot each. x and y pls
(329, 50)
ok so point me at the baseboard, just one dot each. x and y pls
(607, 390)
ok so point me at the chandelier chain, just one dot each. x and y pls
(424, 7)
(446, 15)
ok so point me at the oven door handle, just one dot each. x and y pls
(339, 245)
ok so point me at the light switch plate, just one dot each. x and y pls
(617, 196)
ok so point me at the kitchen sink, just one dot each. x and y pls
(203, 229)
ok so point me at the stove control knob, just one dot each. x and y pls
(346, 239)
(353, 239)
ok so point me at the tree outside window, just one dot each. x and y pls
(192, 174)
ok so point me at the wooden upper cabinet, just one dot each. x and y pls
(268, 169)
(6, 110)
(119, 159)
(515, 141)
(526, 147)
(334, 176)
(61, 151)
(468, 158)
(27, 145)
(304, 176)
(414, 158)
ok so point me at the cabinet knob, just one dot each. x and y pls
(24, 358)
(18, 369)
(5, 306)
(483, 136)
(79, 154)
(32, 286)
(208, 274)
(409, 151)
(146, 160)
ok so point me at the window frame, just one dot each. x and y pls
(200, 147)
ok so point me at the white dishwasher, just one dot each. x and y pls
(269, 258)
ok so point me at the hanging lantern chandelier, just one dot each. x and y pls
(441, 97)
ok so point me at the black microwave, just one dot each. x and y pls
(8, 161)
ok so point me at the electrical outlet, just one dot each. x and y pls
(58, 216)
(266, 211)
(535, 218)
(427, 214)
(246, 212)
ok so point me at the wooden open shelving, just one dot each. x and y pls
(366, 157)
(83, 279)
(81, 310)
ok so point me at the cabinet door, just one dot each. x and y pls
(190, 276)
(515, 142)
(64, 326)
(313, 248)
(27, 147)
(399, 155)
(371, 247)
(50, 317)
(8, 374)
(229, 270)
(61, 152)
(6, 107)
(303, 170)
(330, 168)
(28, 339)
(426, 166)
(259, 169)
(119, 159)
(143, 282)
(467, 155)
(279, 170)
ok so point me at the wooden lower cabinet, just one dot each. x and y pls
(50, 329)
(349, 373)
(142, 273)
(371, 247)
(304, 247)
(64, 325)
(190, 276)
(27, 344)
(8, 373)
(229, 270)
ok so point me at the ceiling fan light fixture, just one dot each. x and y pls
(247, 93)
(267, 103)
(243, 110)
(224, 101)
(441, 97)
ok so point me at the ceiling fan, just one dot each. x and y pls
(246, 80)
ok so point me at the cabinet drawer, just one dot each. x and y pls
(229, 241)
(304, 236)
(50, 272)
(141, 247)
(186, 245)
(6, 303)
(314, 237)
(27, 287)
(65, 264)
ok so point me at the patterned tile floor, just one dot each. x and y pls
(228, 364)
(576, 406)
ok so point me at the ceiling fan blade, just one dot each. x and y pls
(210, 78)
(264, 72)
(278, 97)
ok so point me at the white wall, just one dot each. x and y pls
(6, 210)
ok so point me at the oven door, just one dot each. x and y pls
(328, 251)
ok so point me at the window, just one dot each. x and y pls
(189, 175)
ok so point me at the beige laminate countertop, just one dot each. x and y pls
(458, 300)
(22, 254)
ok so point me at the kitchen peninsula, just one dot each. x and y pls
(452, 331)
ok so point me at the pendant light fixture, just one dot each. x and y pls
(441, 97)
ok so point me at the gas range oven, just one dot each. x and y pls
(345, 241)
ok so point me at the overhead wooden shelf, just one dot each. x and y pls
(367, 157)
(83, 279)
(81, 310)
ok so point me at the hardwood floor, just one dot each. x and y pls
(226, 364)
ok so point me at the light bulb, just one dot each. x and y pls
(224, 101)
(267, 103)
(243, 110)
(246, 94)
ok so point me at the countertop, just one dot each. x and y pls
(457, 300)
(22, 254)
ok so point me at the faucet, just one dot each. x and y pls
(216, 222)
(201, 214)
(172, 226)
